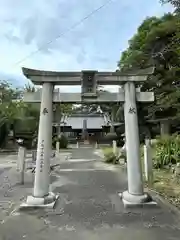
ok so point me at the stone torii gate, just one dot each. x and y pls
(89, 80)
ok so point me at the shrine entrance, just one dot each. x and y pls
(129, 93)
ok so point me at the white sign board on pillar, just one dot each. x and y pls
(21, 163)
(114, 147)
(148, 164)
(57, 146)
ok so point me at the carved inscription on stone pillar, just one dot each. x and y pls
(45, 111)
(42, 156)
(132, 110)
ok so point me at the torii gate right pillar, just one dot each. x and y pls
(135, 194)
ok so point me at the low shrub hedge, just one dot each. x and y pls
(110, 157)
(167, 151)
(63, 142)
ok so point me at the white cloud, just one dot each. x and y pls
(94, 44)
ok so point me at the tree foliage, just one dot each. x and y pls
(175, 3)
(157, 43)
(15, 114)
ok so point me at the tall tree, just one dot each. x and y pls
(157, 43)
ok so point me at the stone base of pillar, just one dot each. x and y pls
(130, 200)
(45, 202)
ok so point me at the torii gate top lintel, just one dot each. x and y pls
(38, 77)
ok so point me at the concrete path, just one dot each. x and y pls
(89, 207)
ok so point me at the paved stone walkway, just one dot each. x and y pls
(89, 207)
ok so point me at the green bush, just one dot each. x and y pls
(109, 156)
(167, 151)
(63, 142)
(110, 136)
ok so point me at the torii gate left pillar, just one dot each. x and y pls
(41, 196)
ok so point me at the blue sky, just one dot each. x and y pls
(95, 44)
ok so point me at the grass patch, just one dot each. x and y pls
(107, 150)
(109, 156)
(165, 182)
(168, 185)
